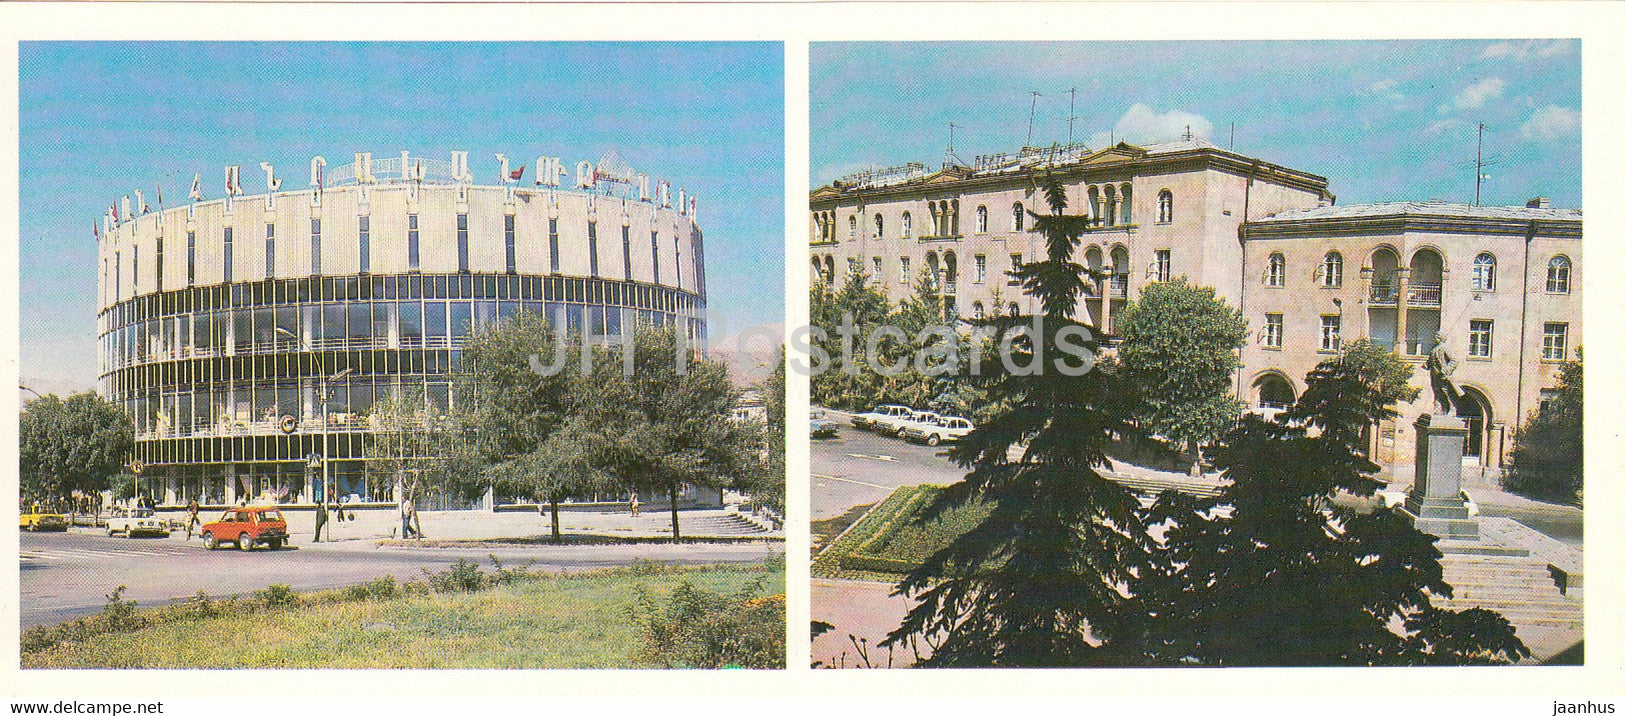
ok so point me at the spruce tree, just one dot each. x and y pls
(1043, 581)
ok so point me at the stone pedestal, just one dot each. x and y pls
(1435, 504)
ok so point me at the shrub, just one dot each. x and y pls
(378, 589)
(1547, 462)
(464, 576)
(707, 630)
(278, 595)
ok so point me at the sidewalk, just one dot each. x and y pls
(368, 527)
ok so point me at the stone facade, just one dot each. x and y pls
(1259, 234)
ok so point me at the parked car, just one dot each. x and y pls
(248, 527)
(133, 521)
(947, 428)
(896, 427)
(867, 421)
(823, 427)
(40, 520)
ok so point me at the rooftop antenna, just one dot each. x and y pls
(1187, 136)
(1071, 114)
(1030, 112)
(1478, 167)
(952, 157)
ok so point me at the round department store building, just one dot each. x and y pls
(221, 320)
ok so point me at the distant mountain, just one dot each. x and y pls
(750, 352)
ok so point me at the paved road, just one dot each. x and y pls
(67, 575)
(860, 468)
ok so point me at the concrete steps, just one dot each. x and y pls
(719, 525)
(1519, 588)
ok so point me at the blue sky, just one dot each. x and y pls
(1384, 121)
(100, 120)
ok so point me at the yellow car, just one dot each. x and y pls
(37, 520)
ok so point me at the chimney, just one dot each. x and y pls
(1539, 202)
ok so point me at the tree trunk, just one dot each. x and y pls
(554, 503)
(676, 535)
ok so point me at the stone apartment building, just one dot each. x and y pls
(1502, 283)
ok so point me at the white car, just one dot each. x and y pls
(947, 428)
(869, 420)
(131, 522)
(921, 417)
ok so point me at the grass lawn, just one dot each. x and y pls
(564, 621)
(891, 539)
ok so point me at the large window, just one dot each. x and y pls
(880, 267)
(1555, 342)
(270, 250)
(981, 268)
(1165, 264)
(1018, 217)
(1479, 338)
(1015, 265)
(592, 247)
(225, 258)
(411, 322)
(654, 254)
(902, 270)
(908, 225)
(981, 219)
(191, 257)
(880, 227)
(1331, 270)
(553, 242)
(1165, 207)
(1484, 272)
(852, 226)
(1557, 274)
(626, 251)
(1274, 330)
(1275, 272)
(1331, 333)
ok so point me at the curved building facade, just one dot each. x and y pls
(221, 320)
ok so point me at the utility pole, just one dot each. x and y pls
(1071, 114)
(1031, 111)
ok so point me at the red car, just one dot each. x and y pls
(247, 526)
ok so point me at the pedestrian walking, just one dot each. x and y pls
(321, 521)
(633, 503)
(407, 510)
(191, 517)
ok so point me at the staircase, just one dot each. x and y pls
(1520, 587)
(718, 525)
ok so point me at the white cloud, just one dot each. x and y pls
(1551, 122)
(1142, 124)
(1528, 49)
(1382, 85)
(1442, 126)
(1475, 95)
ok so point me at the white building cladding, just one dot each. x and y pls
(1502, 282)
(220, 317)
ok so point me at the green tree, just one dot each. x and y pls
(764, 483)
(1040, 581)
(1275, 572)
(519, 400)
(845, 382)
(663, 426)
(1178, 347)
(74, 444)
(418, 448)
(1548, 460)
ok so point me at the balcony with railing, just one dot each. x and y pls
(1424, 295)
(1119, 288)
(1384, 293)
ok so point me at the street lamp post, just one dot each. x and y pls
(326, 434)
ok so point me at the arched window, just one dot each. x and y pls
(1331, 270)
(908, 225)
(1111, 205)
(880, 227)
(977, 311)
(981, 219)
(1484, 272)
(1165, 207)
(852, 226)
(1557, 274)
(953, 219)
(1018, 217)
(1015, 310)
(1275, 274)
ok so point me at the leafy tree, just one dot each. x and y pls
(661, 426)
(1273, 572)
(1042, 581)
(1548, 460)
(765, 482)
(519, 402)
(418, 447)
(73, 444)
(845, 381)
(1179, 344)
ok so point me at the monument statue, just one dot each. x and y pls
(1440, 365)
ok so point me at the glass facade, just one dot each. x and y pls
(208, 372)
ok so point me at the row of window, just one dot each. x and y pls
(302, 291)
(364, 252)
(1480, 336)
(948, 274)
(1330, 272)
(340, 326)
(945, 216)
